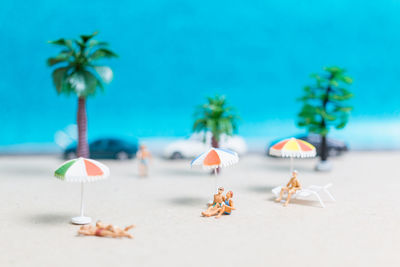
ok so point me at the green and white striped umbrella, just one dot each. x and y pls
(82, 170)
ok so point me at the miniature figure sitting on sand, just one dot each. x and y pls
(103, 230)
(221, 204)
(291, 188)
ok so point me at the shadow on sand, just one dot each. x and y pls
(50, 218)
(184, 173)
(285, 169)
(304, 202)
(27, 171)
(261, 189)
(188, 201)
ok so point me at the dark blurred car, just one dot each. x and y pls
(335, 147)
(106, 148)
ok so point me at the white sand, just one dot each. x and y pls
(360, 229)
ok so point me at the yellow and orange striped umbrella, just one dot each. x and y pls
(293, 148)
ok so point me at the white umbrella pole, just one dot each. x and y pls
(215, 178)
(82, 202)
(291, 165)
(81, 219)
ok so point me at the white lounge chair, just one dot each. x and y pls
(312, 190)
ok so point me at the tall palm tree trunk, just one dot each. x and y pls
(324, 148)
(214, 142)
(83, 147)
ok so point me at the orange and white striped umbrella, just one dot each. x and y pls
(216, 157)
(293, 148)
(82, 170)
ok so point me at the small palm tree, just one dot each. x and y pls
(324, 105)
(217, 118)
(81, 76)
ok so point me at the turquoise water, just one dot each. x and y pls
(174, 53)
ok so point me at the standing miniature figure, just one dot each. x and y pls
(103, 230)
(218, 202)
(291, 188)
(228, 207)
(144, 157)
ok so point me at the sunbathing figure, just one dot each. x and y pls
(218, 202)
(290, 188)
(227, 207)
(103, 230)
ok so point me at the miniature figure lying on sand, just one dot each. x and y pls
(291, 188)
(103, 230)
(221, 204)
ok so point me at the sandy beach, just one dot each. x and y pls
(360, 229)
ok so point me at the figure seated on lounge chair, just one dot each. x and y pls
(103, 230)
(291, 188)
(221, 204)
(312, 190)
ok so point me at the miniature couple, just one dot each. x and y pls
(221, 204)
(291, 188)
(103, 230)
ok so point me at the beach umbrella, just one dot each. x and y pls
(216, 157)
(82, 170)
(293, 148)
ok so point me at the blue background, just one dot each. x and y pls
(174, 53)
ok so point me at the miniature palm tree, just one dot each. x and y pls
(324, 105)
(80, 75)
(217, 118)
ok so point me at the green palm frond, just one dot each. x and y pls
(102, 53)
(322, 106)
(215, 116)
(78, 73)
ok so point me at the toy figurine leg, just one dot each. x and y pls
(141, 169)
(129, 227)
(211, 211)
(214, 212)
(288, 198)
(281, 194)
(207, 212)
(221, 211)
(128, 235)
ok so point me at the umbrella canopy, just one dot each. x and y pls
(293, 148)
(82, 170)
(216, 157)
